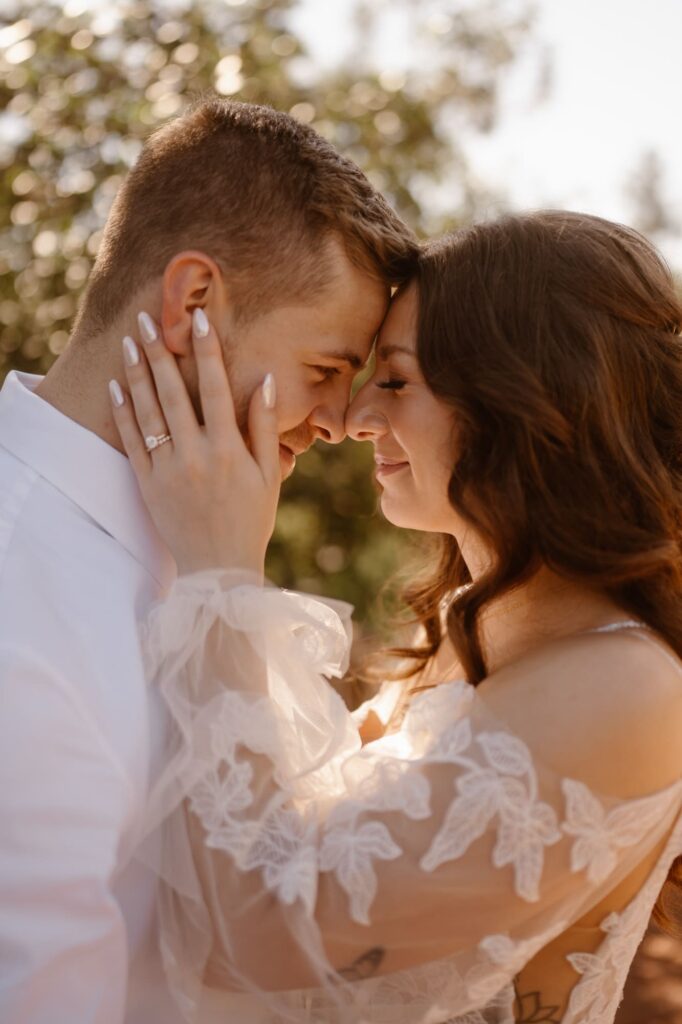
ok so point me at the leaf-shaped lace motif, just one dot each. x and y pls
(506, 754)
(526, 824)
(451, 743)
(284, 848)
(466, 819)
(215, 799)
(599, 834)
(595, 990)
(600, 988)
(248, 723)
(512, 955)
(392, 785)
(526, 827)
(349, 852)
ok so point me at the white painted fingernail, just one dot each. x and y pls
(200, 326)
(131, 353)
(116, 393)
(269, 391)
(147, 327)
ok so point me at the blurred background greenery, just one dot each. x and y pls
(82, 85)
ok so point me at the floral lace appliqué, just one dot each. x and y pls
(599, 835)
(506, 789)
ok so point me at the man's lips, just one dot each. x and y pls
(288, 455)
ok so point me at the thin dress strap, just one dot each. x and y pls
(646, 634)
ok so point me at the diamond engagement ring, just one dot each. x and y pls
(153, 442)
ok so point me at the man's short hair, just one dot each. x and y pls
(257, 191)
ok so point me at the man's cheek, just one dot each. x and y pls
(291, 412)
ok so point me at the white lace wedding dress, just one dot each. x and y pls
(308, 878)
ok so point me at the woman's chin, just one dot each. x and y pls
(407, 515)
(398, 513)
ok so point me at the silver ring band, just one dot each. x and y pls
(153, 441)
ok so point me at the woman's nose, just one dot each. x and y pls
(364, 422)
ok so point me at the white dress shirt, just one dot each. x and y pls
(80, 562)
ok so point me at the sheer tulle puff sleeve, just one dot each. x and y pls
(405, 881)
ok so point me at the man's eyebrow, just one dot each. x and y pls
(388, 350)
(347, 356)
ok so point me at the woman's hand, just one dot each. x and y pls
(212, 497)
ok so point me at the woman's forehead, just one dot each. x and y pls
(399, 329)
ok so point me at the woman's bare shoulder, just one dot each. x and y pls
(604, 707)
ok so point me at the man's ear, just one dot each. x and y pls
(190, 279)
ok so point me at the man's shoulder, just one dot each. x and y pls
(70, 599)
(52, 551)
(36, 518)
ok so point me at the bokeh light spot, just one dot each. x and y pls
(20, 52)
(24, 213)
(304, 112)
(82, 39)
(45, 243)
(186, 53)
(12, 34)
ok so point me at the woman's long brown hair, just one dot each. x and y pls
(555, 336)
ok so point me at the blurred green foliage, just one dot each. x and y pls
(81, 86)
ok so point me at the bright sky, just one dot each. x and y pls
(616, 92)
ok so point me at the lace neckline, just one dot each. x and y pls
(612, 627)
(650, 636)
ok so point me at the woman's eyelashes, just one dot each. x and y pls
(392, 384)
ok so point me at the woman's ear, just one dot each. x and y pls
(190, 279)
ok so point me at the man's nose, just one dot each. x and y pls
(328, 424)
(363, 422)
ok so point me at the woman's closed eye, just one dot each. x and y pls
(392, 384)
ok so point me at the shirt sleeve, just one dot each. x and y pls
(63, 803)
(408, 880)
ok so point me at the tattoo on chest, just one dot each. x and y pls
(529, 1009)
(364, 966)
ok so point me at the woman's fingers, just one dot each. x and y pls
(214, 387)
(263, 432)
(191, 492)
(148, 412)
(170, 395)
(128, 428)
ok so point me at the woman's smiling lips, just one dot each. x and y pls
(386, 466)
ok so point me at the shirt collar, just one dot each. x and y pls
(86, 469)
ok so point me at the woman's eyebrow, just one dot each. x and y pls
(384, 351)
